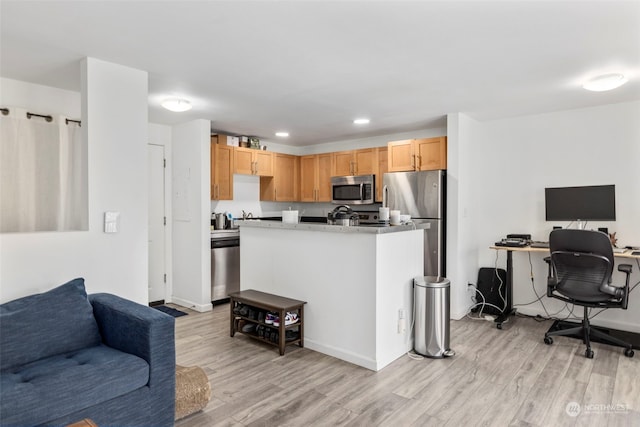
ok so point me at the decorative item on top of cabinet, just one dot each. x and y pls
(417, 154)
(221, 168)
(284, 185)
(354, 162)
(253, 162)
(315, 177)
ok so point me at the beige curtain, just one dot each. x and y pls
(43, 172)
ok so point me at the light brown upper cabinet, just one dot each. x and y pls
(283, 186)
(221, 169)
(253, 162)
(354, 162)
(417, 154)
(382, 169)
(315, 177)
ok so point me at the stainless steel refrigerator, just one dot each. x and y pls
(423, 196)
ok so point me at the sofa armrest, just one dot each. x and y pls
(147, 333)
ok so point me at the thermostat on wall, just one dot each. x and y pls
(111, 222)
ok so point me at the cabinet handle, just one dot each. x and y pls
(275, 194)
(419, 163)
(413, 161)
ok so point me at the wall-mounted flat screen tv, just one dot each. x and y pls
(592, 203)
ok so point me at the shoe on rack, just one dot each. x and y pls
(271, 318)
(243, 311)
(289, 319)
(237, 308)
(261, 316)
(253, 314)
(260, 331)
(291, 335)
(249, 328)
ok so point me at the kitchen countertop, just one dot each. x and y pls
(229, 233)
(330, 228)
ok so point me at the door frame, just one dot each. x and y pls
(168, 254)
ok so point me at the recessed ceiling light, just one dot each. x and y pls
(605, 82)
(361, 121)
(177, 105)
(282, 134)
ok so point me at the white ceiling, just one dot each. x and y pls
(311, 67)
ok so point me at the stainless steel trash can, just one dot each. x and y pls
(431, 323)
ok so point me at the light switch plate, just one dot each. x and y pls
(111, 222)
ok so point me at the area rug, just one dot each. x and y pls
(170, 311)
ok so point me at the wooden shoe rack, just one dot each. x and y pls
(262, 301)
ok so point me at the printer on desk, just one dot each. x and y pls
(515, 240)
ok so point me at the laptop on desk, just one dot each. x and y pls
(544, 245)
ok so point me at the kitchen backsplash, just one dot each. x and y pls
(246, 196)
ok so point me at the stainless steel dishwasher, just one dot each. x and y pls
(225, 264)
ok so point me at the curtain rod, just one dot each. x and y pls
(47, 118)
(6, 111)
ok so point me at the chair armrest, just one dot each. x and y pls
(552, 281)
(625, 268)
(147, 333)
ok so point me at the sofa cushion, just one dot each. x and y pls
(53, 387)
(43, 325)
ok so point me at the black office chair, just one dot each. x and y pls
(580, 269)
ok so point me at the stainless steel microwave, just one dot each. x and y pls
(353, 190)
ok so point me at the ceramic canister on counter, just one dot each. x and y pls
(290, 217)
(394, 217)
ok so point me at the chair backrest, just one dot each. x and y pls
(582, 262)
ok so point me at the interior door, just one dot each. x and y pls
(157, 269)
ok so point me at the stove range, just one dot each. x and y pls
(370, 219)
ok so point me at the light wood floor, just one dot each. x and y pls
(498, 377)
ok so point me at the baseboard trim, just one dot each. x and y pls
(347, 356)
(202, 308)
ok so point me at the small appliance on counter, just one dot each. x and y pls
(343, 215)
(223, 221)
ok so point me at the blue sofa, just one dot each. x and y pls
(66, 356)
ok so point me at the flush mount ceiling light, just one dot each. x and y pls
(362, 121)
(177, 105)
(605, 82)
(282, 134)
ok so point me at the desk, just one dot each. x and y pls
(509, 310)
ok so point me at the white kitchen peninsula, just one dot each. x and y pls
(356, 281)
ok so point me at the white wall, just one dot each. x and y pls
(114, 119)
(515, 159)
(191, 215)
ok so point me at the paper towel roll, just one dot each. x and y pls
(383, 214)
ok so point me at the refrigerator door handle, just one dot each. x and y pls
(384, 196)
